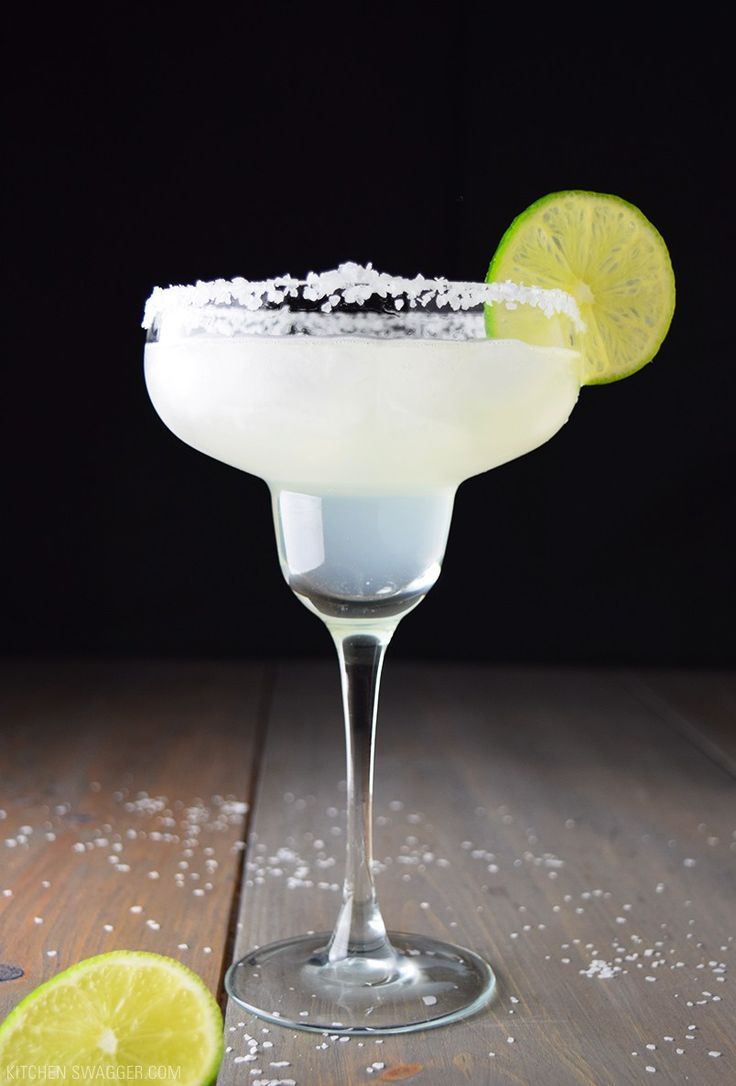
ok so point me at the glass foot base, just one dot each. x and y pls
(422, 984)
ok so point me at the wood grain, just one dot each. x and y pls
(700, 704)
(124, 790)
(549, 819)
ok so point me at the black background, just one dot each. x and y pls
(148, 145)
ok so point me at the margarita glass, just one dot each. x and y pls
(363, 400)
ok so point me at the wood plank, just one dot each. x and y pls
(124, 795)
(549, 820)
(700, 704)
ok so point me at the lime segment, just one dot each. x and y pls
(127, 1009)
(608, 256)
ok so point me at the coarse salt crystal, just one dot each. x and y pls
(351, 283)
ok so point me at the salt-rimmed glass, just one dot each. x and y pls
(363, 400)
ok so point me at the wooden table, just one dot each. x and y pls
(578, 827)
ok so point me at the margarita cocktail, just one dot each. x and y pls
(363, 401)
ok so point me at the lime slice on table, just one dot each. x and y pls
(126, 1009)
(604, 252)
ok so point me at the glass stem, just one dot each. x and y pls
(360, 929)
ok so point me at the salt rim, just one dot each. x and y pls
(353, 283)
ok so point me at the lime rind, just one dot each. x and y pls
(631, 316)
(47, 1046)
